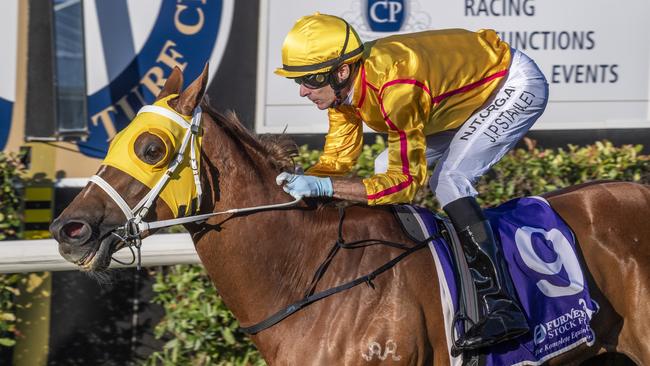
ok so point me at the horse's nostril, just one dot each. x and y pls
(74, 230)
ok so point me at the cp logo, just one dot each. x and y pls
(385, 15)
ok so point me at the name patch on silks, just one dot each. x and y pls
(540, 251)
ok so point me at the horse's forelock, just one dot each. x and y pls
(279, 150)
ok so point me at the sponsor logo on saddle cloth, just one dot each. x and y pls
(539, 249)
(180, 191)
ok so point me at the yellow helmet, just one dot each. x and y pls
(316, 43)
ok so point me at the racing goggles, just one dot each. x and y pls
(314, 81)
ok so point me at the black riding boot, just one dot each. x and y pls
(501, 317)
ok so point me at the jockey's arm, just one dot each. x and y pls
(351, 189)
(405, 108)
(343, 144)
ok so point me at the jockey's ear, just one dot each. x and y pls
(191, 97)
(173, 84)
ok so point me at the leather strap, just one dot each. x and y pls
(282, 314)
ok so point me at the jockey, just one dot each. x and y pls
(459, 98)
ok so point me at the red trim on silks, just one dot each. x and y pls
(363, 86)
(468, 87)
(403, 143)
(392, 189)
(402, 139)
(402, 134)
(406, 81)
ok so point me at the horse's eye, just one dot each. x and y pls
(150, 148)
(154, 153)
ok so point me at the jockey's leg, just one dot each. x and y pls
(501, 317)
(476, 146)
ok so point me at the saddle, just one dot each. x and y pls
(413, 224)
(413, 220)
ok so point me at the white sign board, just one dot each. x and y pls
(595, 54)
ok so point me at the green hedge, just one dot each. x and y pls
(203, 332)
(534, 171)
(10, 202)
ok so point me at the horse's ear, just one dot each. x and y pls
(173, 84)
(191, 97)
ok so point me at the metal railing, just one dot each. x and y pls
(43, 255)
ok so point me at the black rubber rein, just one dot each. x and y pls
(310, 297)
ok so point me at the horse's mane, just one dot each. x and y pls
(278, 150)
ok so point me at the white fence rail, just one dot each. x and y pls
(43, 255)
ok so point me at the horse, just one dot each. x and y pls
(264, 260)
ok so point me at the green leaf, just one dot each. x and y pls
(7, 342)
(228, 336)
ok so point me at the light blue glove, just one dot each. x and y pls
(305, 185)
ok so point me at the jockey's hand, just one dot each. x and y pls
(299, 185)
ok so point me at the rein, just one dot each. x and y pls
(311, 297)
(131, 232)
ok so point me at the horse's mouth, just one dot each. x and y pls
(100, 258)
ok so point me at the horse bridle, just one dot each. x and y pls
(131, 232)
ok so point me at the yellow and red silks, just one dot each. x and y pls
(411, 86)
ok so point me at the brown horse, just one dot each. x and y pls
(262, 261)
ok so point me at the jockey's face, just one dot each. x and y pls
(322, 97)
(325, 96)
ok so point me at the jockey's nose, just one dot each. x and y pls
(304, 91)
(70, 232)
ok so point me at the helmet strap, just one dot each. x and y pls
(339, 86)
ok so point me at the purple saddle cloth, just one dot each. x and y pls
(540, 251)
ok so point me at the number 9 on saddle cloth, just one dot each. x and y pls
(539, 249)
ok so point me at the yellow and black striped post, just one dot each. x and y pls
(37, 214)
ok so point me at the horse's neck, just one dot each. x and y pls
(257, 260)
